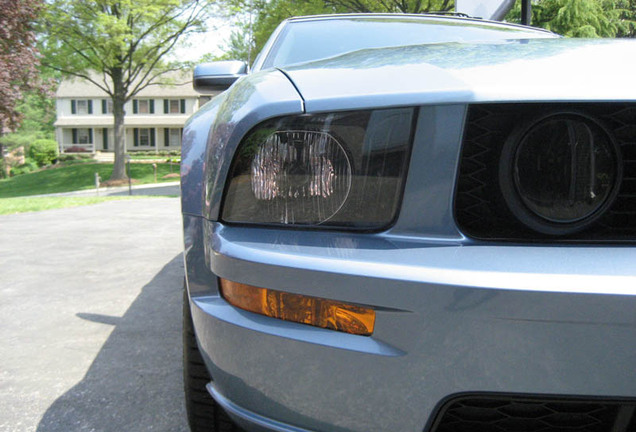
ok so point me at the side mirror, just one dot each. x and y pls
(218, 75)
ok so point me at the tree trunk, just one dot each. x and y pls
(119, 99)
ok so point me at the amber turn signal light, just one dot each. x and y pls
(314, 311)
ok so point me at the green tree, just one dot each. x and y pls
(627, 15)
(403, 6)
(38, 115)
(582, 18)
(37, 111)
(259, 18)
(255, 20)
(118, 45)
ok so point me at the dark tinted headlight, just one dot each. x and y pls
(560, 173)
(338, 170)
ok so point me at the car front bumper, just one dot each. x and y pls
(453, 317)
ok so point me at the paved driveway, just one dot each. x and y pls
(90, 318)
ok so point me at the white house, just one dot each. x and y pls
(154, 117)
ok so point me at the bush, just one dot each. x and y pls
(159, 154)
(43, 151)
(77, 149)
(29, 166)
(66, 157)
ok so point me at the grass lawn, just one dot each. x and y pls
(30, 204)
(77, 177)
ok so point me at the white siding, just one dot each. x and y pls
(97, 121)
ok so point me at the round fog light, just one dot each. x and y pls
(560, 173)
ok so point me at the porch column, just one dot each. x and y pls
(59, 135)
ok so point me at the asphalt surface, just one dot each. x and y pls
(90, 318)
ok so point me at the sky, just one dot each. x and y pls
(212, 41)
(220, 28)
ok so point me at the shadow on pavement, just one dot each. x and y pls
(135, 382)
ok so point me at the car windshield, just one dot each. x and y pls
(303, 41)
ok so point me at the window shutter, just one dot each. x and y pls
(136, 136)
(152, 106)
(104, 106)
(90, 106)
(166, 106)
(135, 106)
(166, 137)
(90, 136)
(74, 131)
(152, 137)
(105, 135)
(182, 106)
(73, 107)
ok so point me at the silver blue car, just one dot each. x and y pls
(413, 223)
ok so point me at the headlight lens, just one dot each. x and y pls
(560, 173)
(310, 169)
(336, 170)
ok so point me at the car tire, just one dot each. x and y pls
(204, 414)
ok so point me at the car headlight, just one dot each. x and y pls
(338, 170)
(559, 174)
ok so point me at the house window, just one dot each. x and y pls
(143, 106)
(172, 137)
(174, 106)
(82, 136)
(144, 137)
(107, 106)
(81, 106)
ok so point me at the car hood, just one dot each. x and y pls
(507, 71)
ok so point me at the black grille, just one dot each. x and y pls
(527, 414)
(480, 209)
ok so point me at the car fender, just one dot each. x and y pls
(193, 150)
(212, 137)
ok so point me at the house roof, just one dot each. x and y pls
(180, 85)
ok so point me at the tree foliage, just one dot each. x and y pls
(577, 18)
(583, 18)
(402, 6)
(18, 56)
(627, 16)
(38, 114)
(37, 110)
(259, 18)
(118, 45)
(255, 20)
